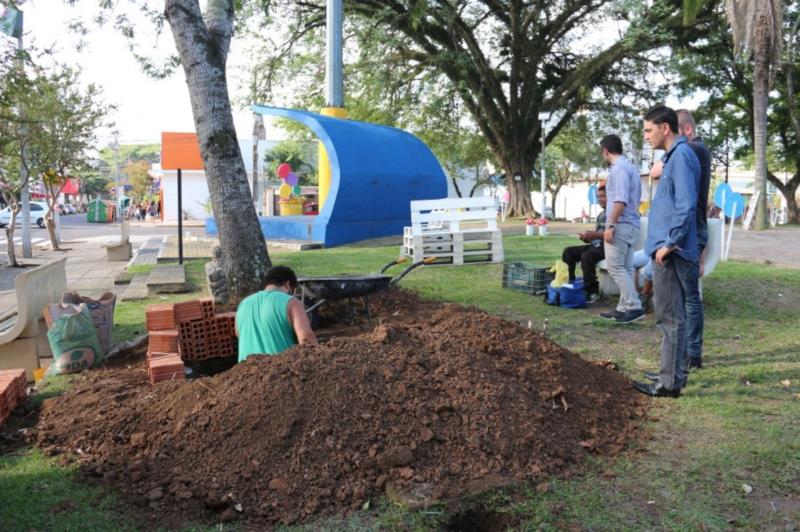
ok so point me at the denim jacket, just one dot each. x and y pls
(672, 221)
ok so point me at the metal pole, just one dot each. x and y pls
(25, 196)
(544, 199)
(115, 147)
(334, 81)
(180, 218)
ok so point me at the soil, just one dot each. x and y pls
(436, 402)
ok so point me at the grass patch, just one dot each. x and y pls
(37, 494)
(736, 424)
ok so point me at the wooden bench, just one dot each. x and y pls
(23, 335)
(712, 256)
(459, 230)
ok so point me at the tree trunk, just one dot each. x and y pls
(455, 187)
(789, 191)
(760, 107)
(203, 48)
(50, 224)
(520, 203)
(12, 255)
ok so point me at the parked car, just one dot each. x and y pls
(38, 210)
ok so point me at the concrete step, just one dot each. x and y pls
(136, 289)
(167, 279)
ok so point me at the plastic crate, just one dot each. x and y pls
(526, 277)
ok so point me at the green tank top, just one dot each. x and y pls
(263, 325)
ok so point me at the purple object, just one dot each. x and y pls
(291, 179)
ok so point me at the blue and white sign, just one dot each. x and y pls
(593, 195)
(734, 205)
(725, 191)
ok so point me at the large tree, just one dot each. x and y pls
(203, 40)
(757, 30)
(509, 61)
(727, 116)
(62, 120)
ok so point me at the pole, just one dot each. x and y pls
(544, 137)
(334, 86)
(25, 195)
(334, 89)
(115, 147)
(180, 218)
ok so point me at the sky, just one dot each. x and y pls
(145, 106)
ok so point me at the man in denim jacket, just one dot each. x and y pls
(672, 244)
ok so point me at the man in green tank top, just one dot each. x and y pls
(271, 321)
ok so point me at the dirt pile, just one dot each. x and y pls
(435, 402)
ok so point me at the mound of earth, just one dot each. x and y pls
(437, 401)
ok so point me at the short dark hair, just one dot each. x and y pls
(661, 114)
(280, 275)
(612, 143)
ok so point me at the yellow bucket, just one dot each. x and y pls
(291, 207)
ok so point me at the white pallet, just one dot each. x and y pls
(455, 247)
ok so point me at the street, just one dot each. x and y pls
(75, 227)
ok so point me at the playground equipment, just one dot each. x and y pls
(375, 172)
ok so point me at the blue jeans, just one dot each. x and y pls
(671, 282)
(694, 303)
(694, 314)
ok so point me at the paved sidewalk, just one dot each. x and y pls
(88, 271)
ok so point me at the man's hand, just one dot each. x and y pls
(608, 235)
(702, 268)
(662, 254)
(583, 237)
(657, 169)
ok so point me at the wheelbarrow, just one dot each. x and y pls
(318, 290)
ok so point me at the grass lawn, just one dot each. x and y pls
(735, 429)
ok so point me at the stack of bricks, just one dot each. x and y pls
(203, 334)
(12, 391)
(163, 352)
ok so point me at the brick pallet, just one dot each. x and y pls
(197, 333)
(12, 391)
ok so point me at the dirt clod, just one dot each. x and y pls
(437, 402)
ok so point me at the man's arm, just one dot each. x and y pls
(299, 320)
(684, 177)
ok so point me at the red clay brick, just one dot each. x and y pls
(163, 341)
(188, 310)
(160, 317)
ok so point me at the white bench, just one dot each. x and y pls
(712, 255)
(23, 336)
(460, 229)
(121, 250)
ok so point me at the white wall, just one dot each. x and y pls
(194, 190)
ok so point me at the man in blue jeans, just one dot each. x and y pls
(694, 300)
(672, 244)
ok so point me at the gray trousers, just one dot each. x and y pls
(619, 263)
(671, 284)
